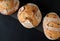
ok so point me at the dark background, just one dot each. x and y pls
(12, 30)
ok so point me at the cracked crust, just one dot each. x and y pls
(51, 26)
(30, 12)
(8, 7)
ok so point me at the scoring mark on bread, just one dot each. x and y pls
(52, 15)
(28, 19)
(54, 24)
(58, 24)
(50, 35)
(21, 10)
(51, 25)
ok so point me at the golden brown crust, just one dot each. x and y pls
(6, 3)
(31, 10)
(28, 13)
(51, 25)
(10, 6)
(52, 34)
(54, 24)
(52, 15)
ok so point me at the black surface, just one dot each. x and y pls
(12, 30)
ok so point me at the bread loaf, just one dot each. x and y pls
(8, 7)
(51, 26)
(29, 15)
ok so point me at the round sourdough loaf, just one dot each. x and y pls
(29, 15)
(8, 7)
